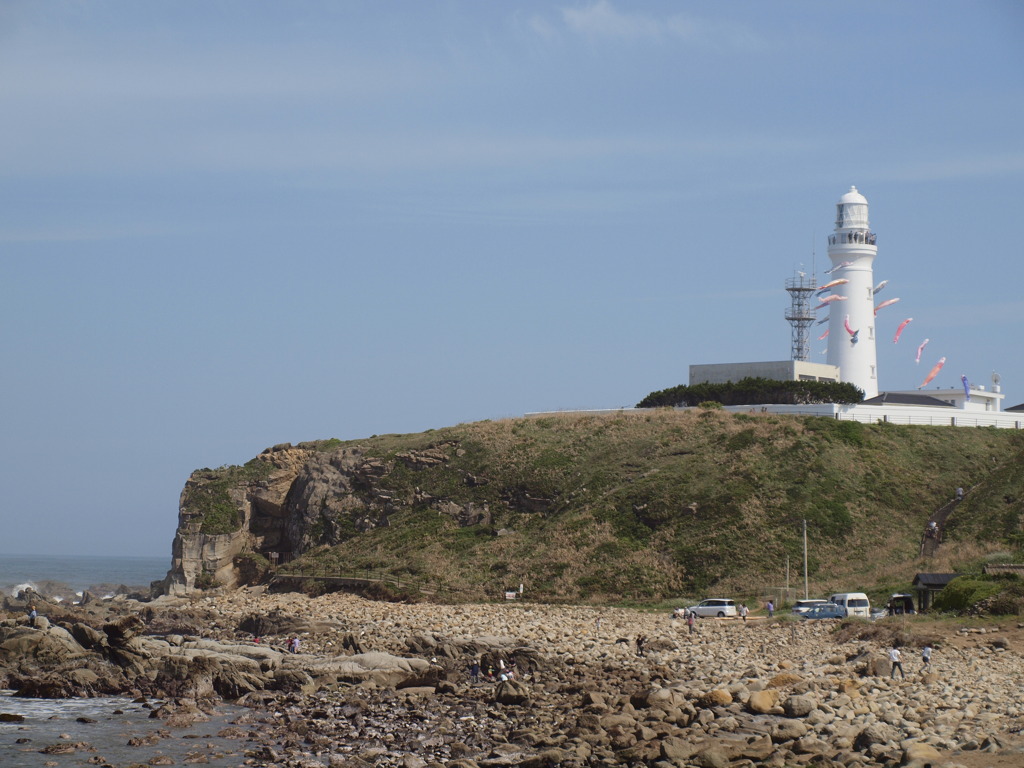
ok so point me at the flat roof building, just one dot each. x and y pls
(779, 370)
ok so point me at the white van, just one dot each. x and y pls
(853, 603)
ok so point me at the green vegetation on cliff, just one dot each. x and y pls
(650, 504)
(209, 497)
(754, 391)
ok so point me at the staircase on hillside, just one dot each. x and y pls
(932, 536)
(930, 540)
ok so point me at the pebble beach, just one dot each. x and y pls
(729, 694)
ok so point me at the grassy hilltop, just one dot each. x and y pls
(651, 504)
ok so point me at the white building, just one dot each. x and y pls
(776, 370)
(981, 400)
(851, 325)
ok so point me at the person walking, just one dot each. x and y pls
(926, 657)
(771, 609)
(691, 621)
(474, 672)
(897, 663)
(743, 612)
(640, 640)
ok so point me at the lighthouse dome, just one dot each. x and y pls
(853, 196)
(852, 211)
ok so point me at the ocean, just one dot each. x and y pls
(73, 732)
(64, 576)
(69, 733)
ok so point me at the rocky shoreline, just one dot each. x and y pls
(388, 684)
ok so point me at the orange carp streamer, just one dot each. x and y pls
(899, 330)
(933, 373)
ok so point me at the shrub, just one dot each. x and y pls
(963, 592)
(206, 580)
(755, 391)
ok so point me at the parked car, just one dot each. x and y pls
(853, 603)
(803, 606)
(715, 606)
(900, 603)
(827, 611)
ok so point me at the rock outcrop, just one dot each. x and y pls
(259, 502)
(286, 501)
(44, 661)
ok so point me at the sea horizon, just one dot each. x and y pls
(64, 576)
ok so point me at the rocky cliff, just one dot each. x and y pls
(224, 516)
(578, 506)
(285, 502)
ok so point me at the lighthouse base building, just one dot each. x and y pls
(848, 297)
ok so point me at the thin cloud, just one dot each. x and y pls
(170, 142)
(965, 167)
(602, 21)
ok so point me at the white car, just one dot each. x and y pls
(803, 606)
(715, 606)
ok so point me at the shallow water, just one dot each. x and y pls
(54, 721)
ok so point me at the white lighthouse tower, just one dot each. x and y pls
(851, 327)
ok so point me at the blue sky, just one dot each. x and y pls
(225, 225)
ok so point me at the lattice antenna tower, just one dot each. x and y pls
(799, 314)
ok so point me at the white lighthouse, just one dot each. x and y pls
(851, 327)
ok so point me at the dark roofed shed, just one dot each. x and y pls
(928, 585)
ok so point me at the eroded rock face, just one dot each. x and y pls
(261, 509)
(300, 498)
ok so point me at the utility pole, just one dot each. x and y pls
(805, 559)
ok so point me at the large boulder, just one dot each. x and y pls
(799, 706)
(920, 755)
(877, 665)
(512, 692)
(52, 646)
(719, 697)
(879, 734)
(267, 658)
(380, 668)
(762, 702)
(293, 680)
(89, 638)
(788, 730)
(206, 676)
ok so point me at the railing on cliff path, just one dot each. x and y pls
(355, 578)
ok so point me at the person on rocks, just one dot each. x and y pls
(640, 640)
(743, 612)
(32, 615)
(926, 658)
(959, 494)
(771, 609)
(474, 672)
(293, 645)
(691, 621)
(897, 663)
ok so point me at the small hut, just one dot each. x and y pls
(928, 585)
